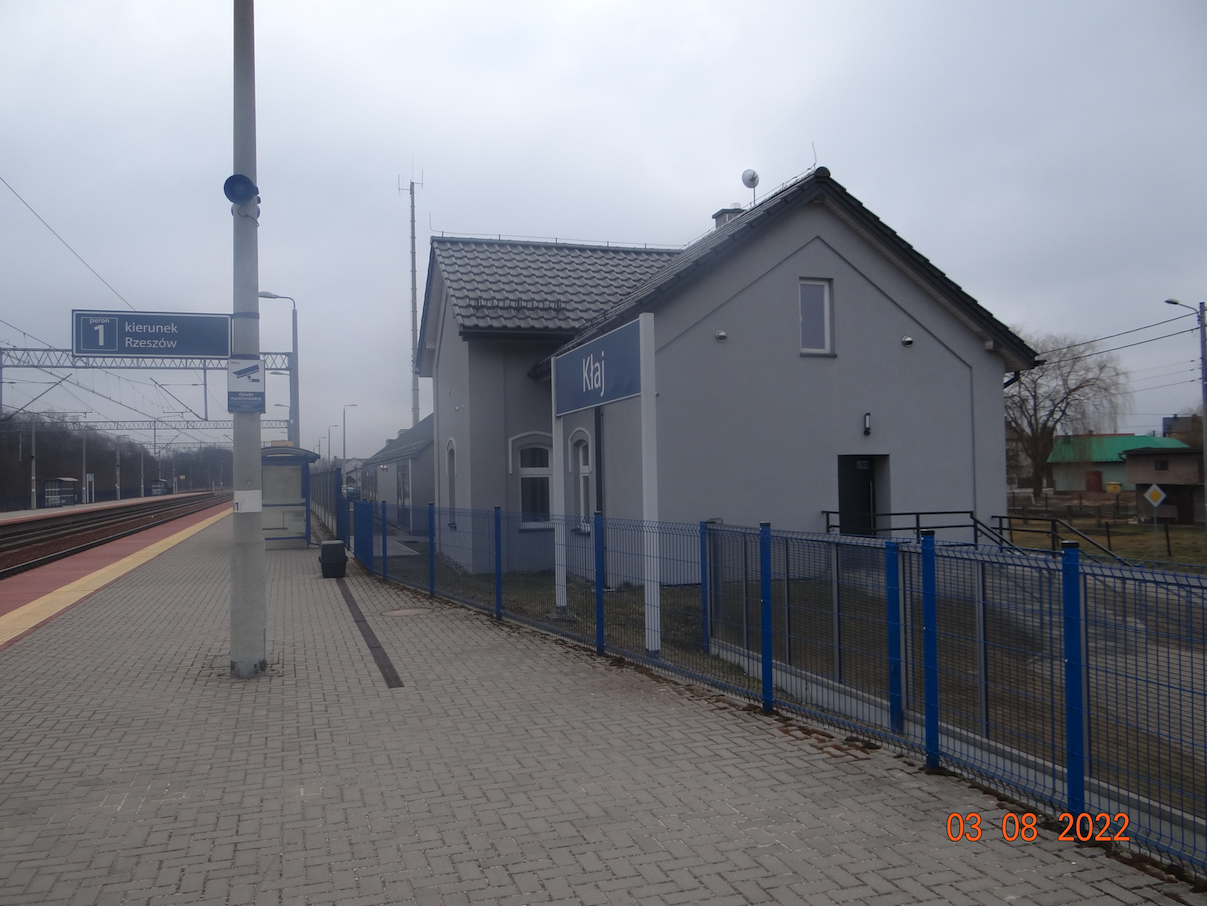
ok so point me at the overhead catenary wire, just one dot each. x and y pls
(1075, 358)
(65, 243)
(1111, 336)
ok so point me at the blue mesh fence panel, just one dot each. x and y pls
(1146, 699)
(465, 556)
(362, 533)
(529, 575)
(829, 618)
(407, 546)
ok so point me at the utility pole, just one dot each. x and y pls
(248, 609)
(414, 313)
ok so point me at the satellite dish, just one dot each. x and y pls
(750, 179)
(240, 190)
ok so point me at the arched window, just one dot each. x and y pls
(581, 469)
(452, 487)
(534, 485)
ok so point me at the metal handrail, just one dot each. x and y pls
(916, 517)
(1054, 534)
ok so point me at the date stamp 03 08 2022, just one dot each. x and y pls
(1083, 827)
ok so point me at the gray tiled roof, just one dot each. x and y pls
(693, 263)
(406, 444)
(539, 286)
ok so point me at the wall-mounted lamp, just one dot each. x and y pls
(721, 336)
(867, 423)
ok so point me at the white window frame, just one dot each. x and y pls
(827, 318)
(582, 482)
(530, 472)
(450, 470)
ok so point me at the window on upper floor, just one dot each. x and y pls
(816, 318)
(534, 486)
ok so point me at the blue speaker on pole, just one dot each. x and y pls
(240, 190)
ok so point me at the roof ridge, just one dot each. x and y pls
(555, 242)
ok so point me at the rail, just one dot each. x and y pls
(29, 543)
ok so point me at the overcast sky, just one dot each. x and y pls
(1047, 156)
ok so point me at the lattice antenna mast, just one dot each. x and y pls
(414, 308)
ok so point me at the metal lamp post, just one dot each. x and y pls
(329, 427)
(295, 425)
(1202, 313)
(345, 420)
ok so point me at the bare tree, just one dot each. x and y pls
(1079, 387)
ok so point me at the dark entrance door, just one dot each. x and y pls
(856, 495)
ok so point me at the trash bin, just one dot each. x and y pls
(333, 559)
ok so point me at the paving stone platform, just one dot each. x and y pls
(509, 769)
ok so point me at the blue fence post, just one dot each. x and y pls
(431, 549)
(892, 612)
(765, 616)
(930, 647)
(1074, 716)
(600, 642)
(705, 645)
(498, 563)
(383, 540)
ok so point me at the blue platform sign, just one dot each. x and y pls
(150, 334)
(603, 371)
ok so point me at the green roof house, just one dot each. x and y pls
(1092, 462)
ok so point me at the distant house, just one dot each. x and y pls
(402, 474)
(1098, 462)
(1177, 472)
(807, 362)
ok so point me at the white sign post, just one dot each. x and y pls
(1155, 496)
(618, 365)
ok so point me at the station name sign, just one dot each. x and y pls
(603, 371)
(150, 334)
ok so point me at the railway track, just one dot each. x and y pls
(26, 545)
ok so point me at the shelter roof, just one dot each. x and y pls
(281, 454)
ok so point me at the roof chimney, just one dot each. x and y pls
(725, 215)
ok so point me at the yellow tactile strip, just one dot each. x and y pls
(38, 611)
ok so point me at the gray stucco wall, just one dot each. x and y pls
(508, 410)
(450, 405)
(751, 430)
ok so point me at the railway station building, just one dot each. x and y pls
(809, 368)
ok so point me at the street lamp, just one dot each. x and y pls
(295, 426)
(329, 427)
(346, 408)
(1202, 313)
